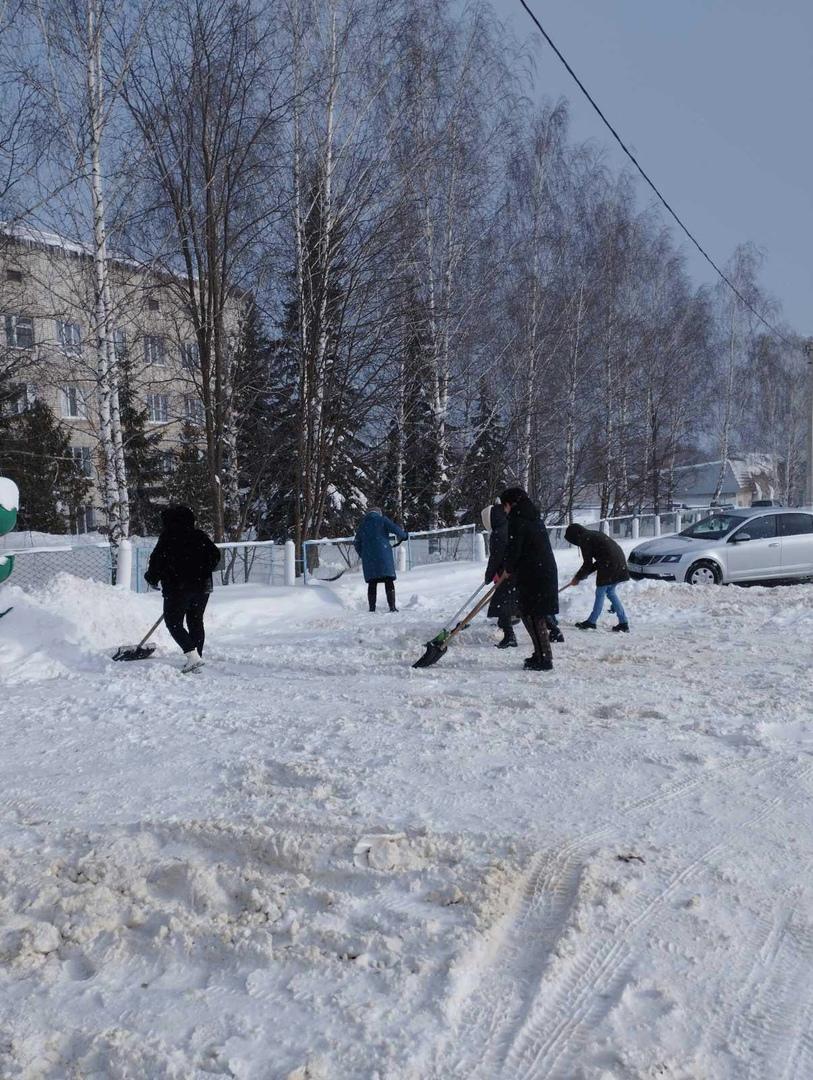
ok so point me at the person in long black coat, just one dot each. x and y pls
(530, 564)
(182, 563)
(504, 606)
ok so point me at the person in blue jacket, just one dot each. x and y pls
(373, 545)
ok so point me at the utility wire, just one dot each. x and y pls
(634, 160)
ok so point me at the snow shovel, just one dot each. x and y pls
(140, 651)
(440, 642)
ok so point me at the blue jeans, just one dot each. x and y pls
(608, 592)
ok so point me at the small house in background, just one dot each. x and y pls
(746, 479)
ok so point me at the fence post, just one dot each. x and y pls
(290, 563)
(401, 558)
(657, 524)
(124, 565)
(409, 552)
(305, 562)
(678, 521)
(636, 527)
(605, 526)
(479, 547)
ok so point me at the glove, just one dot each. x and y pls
(152, 582)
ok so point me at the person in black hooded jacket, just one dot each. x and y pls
(601, 556)
(530, 564)
(182, 563)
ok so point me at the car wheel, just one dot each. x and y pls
(703, 572)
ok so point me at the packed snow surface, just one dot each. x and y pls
(312, 861)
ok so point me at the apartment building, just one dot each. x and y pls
(46, 338)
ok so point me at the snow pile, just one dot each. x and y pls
(159, 949)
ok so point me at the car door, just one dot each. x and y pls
(796, 532)
(758, 557)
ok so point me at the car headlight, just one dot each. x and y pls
(671, 558)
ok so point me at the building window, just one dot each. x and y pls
(154, 350)
(19, 332)
(83, 458)
(167, 462)
(14, 275)
(157, 408)
(190, 356)
(153, 304)
(73, 403)
(84, 520)
(194, 409)
(18, 402)
(69, 336)
(120, 344)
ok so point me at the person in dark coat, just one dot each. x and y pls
(504, 606)
(182, 563)
(601, 556)
(530, 564)
(372, 544)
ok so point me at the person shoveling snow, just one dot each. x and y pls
(182, 563)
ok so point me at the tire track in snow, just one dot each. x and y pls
(588, 992)
(505, 1033)
(773, 1033)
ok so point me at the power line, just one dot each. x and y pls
(634, 160)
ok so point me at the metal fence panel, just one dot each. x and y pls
(250, 562)
(35, 567)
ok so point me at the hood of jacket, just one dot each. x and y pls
(524, 508)
(177, 517)
(493, 517)
(575, 534)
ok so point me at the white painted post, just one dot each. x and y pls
(401, 558)
(480, 547)
(605, 526)
(124, 565)
(290, 563)
(636, 527)
(657, 524)
(678, 521)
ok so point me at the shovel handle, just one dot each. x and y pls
(151, 630)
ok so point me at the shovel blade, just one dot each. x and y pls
(133, 652)
(433, 653)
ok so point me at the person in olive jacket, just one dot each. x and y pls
(604, 558)
(530, 564)
(504, 606)
(182, 563)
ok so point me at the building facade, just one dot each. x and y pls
(48, 349)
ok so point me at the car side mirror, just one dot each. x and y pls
(740, 537)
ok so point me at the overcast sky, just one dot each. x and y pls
(715, 97)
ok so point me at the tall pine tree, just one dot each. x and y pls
(53, 488)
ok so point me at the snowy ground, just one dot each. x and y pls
(311, 861)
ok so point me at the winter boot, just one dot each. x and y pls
(586, 625)
(621, 628)
(509, 639)
(533, 663)
(191, 662)
(555, 634)
(393, 610)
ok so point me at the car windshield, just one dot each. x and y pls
(714, 527)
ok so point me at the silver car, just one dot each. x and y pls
(732, 545)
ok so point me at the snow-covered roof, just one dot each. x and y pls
(755, 472)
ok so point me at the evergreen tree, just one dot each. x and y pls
(145, 462)
(188, 484)
(265, 416)
(52, 486)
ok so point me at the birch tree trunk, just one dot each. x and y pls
(116, 498)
